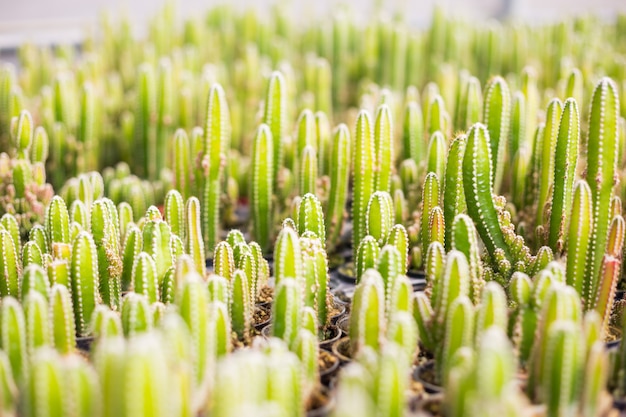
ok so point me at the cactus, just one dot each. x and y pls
(84, 280)
(261, 187)
(287, 256)
(379, 218)
(174, 212)
(563, 369)
(497, 115)
(478, 186)
(363, 177)
(274, 116)
(286, 310)
(453, 195)
(240, 305)
(311, 217)
(194, 244)
(194, 309)
(13, 337)
(157, 239)
(413, 132)
(315, 268)
(430, 199)
(136, 314)
(106, 238)
(223, 260)
(437, 155)
(181, 163)
(464, 239)
(367, 256)
(602, 145)
(216, 145)
(367, 323)
(62, 318)
(339, 168)
(9, 265)
(34, 279)
(383, 149)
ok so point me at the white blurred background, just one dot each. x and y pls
(59, 21)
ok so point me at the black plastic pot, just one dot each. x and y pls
(334, 335)
(619, 403)
(344, 325)
(326, 409)
(341, 307)
(328, 374)
(85, 343)
(419, 375)
(346, 273)
(341, 348)
(417, 278)
(260, 326)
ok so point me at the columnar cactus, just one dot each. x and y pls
(436, 160)
(62, 318)
(287, 255)
(339, 168)
(274, 116)
(367, 324)
(174, 212)
(379, 217)
(9, 265)
(182, 162)
(311, 217)
(363, 176)
(216, 145)
(261, 186)
(136, 314)
(453, 194)
(602, 148)
(383, 149)
(13, 337)
(194, 245)
(84, 280)
(565, 160)
(497, 115)
(430, 199)
(286, 310)
(240, 305)
(367, 256)
(478, 186)
(106, 238)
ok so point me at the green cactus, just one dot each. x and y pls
(9, 265)
(437, 155)
(261, 187)
(240, 305)
(602, 145)
(106, 238)
(497, 116)
(379, 217)
(13, 337)
(430, 199)
(181, 162)
(563, 368)
(478, 186)
(194, 245)
(136, 314)
(367, 256)
(287, 256)
(363, 177)
(286, 310)
(465, 240)
(367, 323)
(216, 144)
(274, 116)
(453, 194)
(565, 160)
(339, 171)
(84, 279)
(34, 278)
(383, 149)
(174, 212)
(62, 319)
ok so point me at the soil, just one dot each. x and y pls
(266, 295)
(326, 361)
(260, 316)
(429, 375)
(334, 310)
(318, 399)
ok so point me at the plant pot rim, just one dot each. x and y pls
(429, 387)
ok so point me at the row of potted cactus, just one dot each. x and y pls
(253, 213)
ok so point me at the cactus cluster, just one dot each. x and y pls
(466, 180)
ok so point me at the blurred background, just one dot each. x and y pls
(62, 21)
